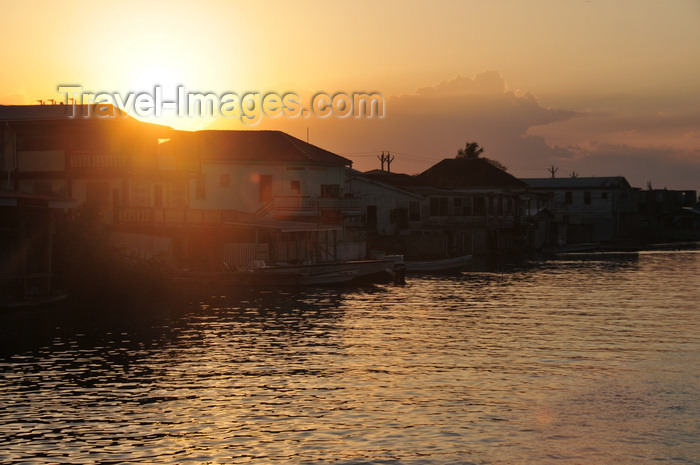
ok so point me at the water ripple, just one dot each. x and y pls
(560, 362)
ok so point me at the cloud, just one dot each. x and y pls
(643, 137)
(432, 123)
(663, 166)
(650, 138)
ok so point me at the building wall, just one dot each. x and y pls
(383, 200)
(237, 186)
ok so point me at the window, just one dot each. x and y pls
(158, 195)
(414, 211)
(200, 189)
(371, 216)
(43, 188)
(178, 195)
(438, 206)
(140, 194)
(457, 207)
(330, 190)
(296, 186)
(265, 188)
(568, 198)
(399, 217)
(587, 198)
(225, 180)
(462, 207)
(97, 193)
(479, 206)
(39, 143)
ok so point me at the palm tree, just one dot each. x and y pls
(471, 150)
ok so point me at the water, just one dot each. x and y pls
(558, 362)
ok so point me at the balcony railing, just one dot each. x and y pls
(173, 216)
(97, 160)
(309, 206)
(295, 205)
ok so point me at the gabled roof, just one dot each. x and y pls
(451, 173)
(80, 116)
(467, 172)
(605, 182)
(373, 178)
(393, 179)
(261, 146)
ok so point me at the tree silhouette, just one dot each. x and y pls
(471, 150)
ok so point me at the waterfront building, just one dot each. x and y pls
(588, 209)
(108, 160)
(458, 206)
(260, 196)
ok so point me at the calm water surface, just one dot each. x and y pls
(557, 362)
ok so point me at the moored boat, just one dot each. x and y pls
(438, 266)
(314, 274)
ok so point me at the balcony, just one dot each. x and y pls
(295, 206)
(91, 160)
(173, 216)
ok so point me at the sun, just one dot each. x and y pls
(163, 79)
(166, 76)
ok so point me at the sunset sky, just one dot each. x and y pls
(595, 87)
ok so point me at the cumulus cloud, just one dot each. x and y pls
(651, 138)
(641, 137)
(432, 123)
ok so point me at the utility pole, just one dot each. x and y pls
(382, 159)
(389, 159)
(553, 170)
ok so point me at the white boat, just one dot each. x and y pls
(283, 276)
(438, 266)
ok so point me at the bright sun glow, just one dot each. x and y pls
(168, 76)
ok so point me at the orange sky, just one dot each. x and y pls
(595, 87)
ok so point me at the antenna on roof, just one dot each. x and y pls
(574, 174)
(553, 170)
(382, 159)
(307, 134)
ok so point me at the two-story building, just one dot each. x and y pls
(589, 209)
(458, 206)
(107, 160)
(262, 195)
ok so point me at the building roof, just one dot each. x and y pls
(451, 173)
(374, 177)
(57, 112)
(605, 182)
(393, 179)
(467, 172)
(110, 117)
(261, 146)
